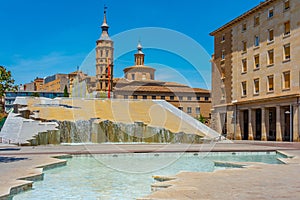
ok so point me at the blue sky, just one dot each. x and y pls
(44, 37)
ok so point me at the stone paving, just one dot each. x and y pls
(259, 181)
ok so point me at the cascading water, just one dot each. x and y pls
(59, 125)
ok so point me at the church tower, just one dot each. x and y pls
(139, 56)
(139, 72)
(104, 59)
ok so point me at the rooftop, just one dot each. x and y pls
(243, 16)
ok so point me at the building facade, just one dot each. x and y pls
(256, 73)
(139, 83)
(36, 85)
(56, 83)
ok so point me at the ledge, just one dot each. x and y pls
(286, 36)
(270, 42)
(228, 164)
(25, 183)
(256, 47)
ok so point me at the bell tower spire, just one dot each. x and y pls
(104, 27)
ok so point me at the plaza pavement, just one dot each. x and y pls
(20, 166)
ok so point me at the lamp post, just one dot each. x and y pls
(235, 119)
(289, 112)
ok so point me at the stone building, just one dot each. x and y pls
(139, 83)
(56, 83)
(36, 85)
(256, 74)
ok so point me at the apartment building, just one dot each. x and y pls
(36, 85)
(256, 73)
(56, 83)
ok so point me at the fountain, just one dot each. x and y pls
(38, 121)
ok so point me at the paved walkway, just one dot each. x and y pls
(255, 182)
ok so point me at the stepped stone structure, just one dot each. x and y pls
(63, 120)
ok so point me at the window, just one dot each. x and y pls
(189, 98)
(256, 61)
(180, 98)
(271, 57)
(271, 13)
(271, 83)
(244, 27)
(244, 65)
(144, 76)
(171, 97)
(287, 28)
(125, 96)
(223, 54)
(144, 96)
(223, 38)
(153, 97)
(206, 98)
(223, 94)
(222, 75)
(286, 80)
(270, 35)
(286, 5)
(163, 97)
(244, 46)
(256, 41)
(132, 76)
(197, 110)
(287, 52)
(256, 20)
(189, 110)
(256, 86)
(244, 88)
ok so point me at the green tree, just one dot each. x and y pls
(201, 119)
(66, 94)
(7, 83)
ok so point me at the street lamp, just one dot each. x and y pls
(289, 112)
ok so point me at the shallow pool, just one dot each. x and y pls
(126, 176)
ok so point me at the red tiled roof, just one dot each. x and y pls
(156, 89)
